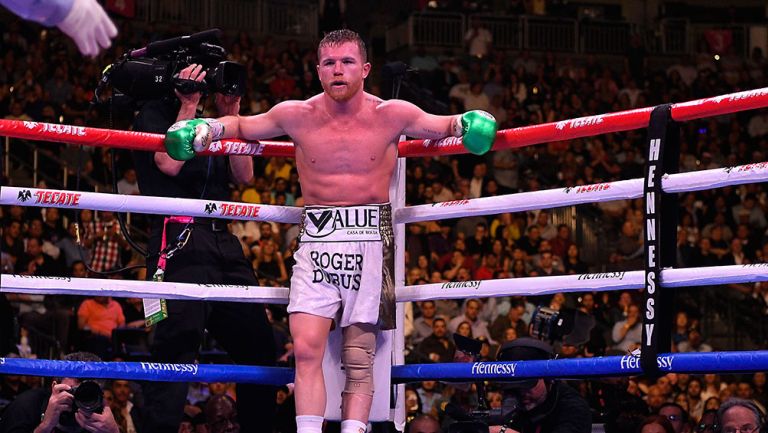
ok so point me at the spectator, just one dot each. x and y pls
(739, 414)
(424, 424)
(107, 243)
(437, 347)
(99, 316)
(628, 333)
(423, 325)
(127, 415)
(656, 424)
(128, 184)
(221, 414)
(676, 415)
(694, 343)
(478, 39)
(471, 315)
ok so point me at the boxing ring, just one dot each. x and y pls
(659, 278)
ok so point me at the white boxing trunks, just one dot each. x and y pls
(345, 265)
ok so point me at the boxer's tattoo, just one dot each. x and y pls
(432, 132)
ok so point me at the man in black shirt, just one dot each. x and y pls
(213, 256)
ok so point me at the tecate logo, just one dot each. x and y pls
(241, 210)
(61, 198)
(581, 121)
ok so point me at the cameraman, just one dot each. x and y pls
(212, 255)
(544, 405)
(40, 410)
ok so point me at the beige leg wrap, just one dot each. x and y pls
(357, 354)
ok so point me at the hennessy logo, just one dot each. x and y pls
(210, 208)
(24, 195)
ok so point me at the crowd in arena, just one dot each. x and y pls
(44, 82)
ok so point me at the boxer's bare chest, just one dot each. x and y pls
(359, 142)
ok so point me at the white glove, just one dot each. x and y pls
(89, 26)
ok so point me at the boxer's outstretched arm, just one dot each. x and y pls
(416, 123)
(261, 126)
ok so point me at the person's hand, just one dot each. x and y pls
(89, 26)
(103, 422)
(192, 72)
(228, 105)
(59, 402)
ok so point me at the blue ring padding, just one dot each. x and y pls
(713, 362)
(148, 371)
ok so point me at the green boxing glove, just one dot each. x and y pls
(187, 137)
(478, 131)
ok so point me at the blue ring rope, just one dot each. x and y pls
(713, 362)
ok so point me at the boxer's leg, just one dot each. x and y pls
(310, 334)
(357, 353)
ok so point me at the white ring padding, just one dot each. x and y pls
(533, 286)
(560, 197)
(529, 286)
(141, 289)
(10, 195)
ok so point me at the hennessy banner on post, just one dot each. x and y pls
(660, 210)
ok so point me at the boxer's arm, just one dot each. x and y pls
(262, 126)
(416, 123)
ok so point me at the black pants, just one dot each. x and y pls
(242, 329)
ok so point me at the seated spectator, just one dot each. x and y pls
(424, 423)
(627, 334)
(129, 184)
(438, 347)
(36, 262)
(71, 250)
(656, 424)
(125, 412)
(740, 415)
(572, 262)
(676, 415)
(221, 414)
(429, 396)
(269, 264)
(472, 316)
(513, 319)
(100, 315)
(694, 343)
(422, 326)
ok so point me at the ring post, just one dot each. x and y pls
(660, 217)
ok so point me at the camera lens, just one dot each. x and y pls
(89, 397)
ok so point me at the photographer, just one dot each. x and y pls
(544, 405)
(212, 255)
(42, 410)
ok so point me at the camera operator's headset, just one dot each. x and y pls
(527, 349)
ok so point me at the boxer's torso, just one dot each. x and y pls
(344, 159)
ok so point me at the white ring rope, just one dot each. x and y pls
(10, 195)
(528, 286)
(559, 197)
(544, 199)
(141, 289)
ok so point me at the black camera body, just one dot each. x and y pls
(153, 72)
(88, 398)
